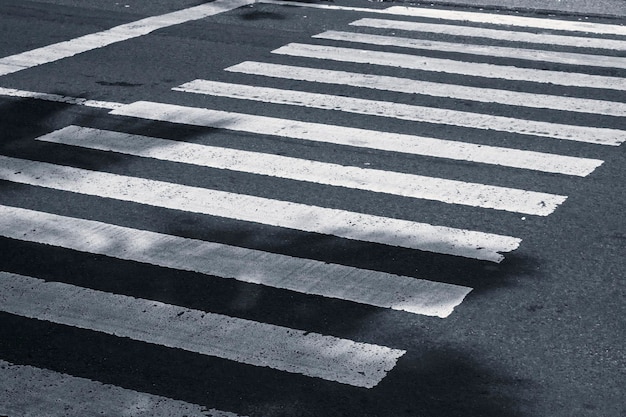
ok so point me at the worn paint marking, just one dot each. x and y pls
(301, 275)
(246, 341)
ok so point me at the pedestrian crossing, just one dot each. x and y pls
(32, 387)
(329, 358)
(484, 50)
(360, 138)
(407, 185)
(316, 219)
(438, 14)
(253, 343)
(406, 112)
(450, 66)
(526, 22)
(494, 34)
(412, 86)
(230, 262)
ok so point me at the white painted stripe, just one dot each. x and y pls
(569, 58)
(476, 17)
(450, 66)
(66, 49)
(341, 223)
(235, 339)
(510, 20)
(601, 136)
(322, 6)
(410, 86)
(27, 391)
(305, 276)
(498, 34)
(376, 140)
(12, 92)
(407, 185)
(363, 138)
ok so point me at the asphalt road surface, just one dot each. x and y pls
(613, 8)
(346, 208)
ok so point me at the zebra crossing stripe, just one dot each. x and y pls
(450, 66)
(386, 141)
(498, 34)
(66, 49)
(363, 138)
(305, 276)
(245, 341)
(410, 86)
(322, 6)
(408, 185)
(29, 391)
(77, 101)
(558, 57)
(476, 17)
(601, 136)
(509, 20)
(296, 216)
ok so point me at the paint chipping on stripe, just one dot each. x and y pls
(450, 66)
(439, 148)
(296, 216)
(407, 185)
(499, 34)
(253, 343)
(29, 391)
(602, 136)
(569, 58)
(509, 20)
(306, 276)
(77, 101)
(349, 136)
(411, 86)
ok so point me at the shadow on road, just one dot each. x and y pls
(437, 382)
(430, 380)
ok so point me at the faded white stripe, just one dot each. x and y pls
(119, 33)
(305, 276)
(245, 341)
(410, 86)
(322, 6)
(297, 216)
(407, 185)
(360, 138)
(601, 136)
(490, 18)
(78, 101)
(569, 58)
(497, 34)
(27, 391)
(450, 66)
(509, 20)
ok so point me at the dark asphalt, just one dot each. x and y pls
(608, 8)
(541, 334)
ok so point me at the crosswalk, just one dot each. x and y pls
(406, 112)
(449, 66)
(580, 55)
(412, 86)
(31, 388)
